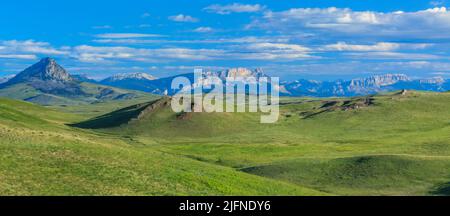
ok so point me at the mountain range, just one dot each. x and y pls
(363, 86)
(387, 144)
(309, 88)
(46, 82)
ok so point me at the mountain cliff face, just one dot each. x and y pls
(363, 86)
(433, 80)
(47, 83)
(49, 77)
(378, 81)
(235, 73)
(373, 84)
(134, 81)
(128, 77)
(45, 70)
(162, 86)
(339, 88)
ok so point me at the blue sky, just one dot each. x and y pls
(314, 39)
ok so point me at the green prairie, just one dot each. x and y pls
(389, 144)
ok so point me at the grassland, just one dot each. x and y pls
(40, 155)
(86, 106)
(394, 145)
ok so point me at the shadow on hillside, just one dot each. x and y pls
(442, 190)
(123, 116)
(113, 119)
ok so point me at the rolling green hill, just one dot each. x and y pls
(41, 155)
(94, 94)
(377, 145)
(390, 144)
(49, 84)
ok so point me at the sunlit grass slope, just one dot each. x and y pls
(388, 144)
(40, 155)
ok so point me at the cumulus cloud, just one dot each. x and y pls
(18, 56)
(430, 23)
(125, 35)
(250, 51)
(355, 68)
(381, 46)
(274, 51)
(183, 18)
(238, 40)
(87, 53)
(129, 41)
(253, 39)
(28, 49)
(233, 8)
(204, 29)
(394, 55)
(342, 46)
(278, 46)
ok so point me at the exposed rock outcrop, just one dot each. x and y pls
(45, 70)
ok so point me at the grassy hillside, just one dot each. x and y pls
(389, 144)
(363, 175)
(96, 100)
(40, 155)
(379, 145)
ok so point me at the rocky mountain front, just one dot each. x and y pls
(48, 83)
(363, 86)
(45, 70)
(49, 77)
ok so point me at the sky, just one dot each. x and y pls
(312, 39)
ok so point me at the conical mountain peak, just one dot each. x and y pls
(47, 69)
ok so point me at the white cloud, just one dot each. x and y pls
(189, 54)
(249, 39)
(355, 68)
(251, 51)
(430, 23)
(30, 46)
(204, 29)
(129, 41)
(278, 46)
(18, 56)
(381, 46)
(125, 35)
(342, 46)
(183, 18)
(145, 15)
(28, 49)
(446, 74)
(233, 8)
(394, 55)
(87, 53)
(273, 51)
